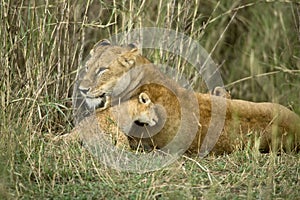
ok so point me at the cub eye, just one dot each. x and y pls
(101, 70)
(144, 98)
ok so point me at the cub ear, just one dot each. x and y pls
(144, 99)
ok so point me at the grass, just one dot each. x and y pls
(43, 43)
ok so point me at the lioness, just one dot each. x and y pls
(274, 125)
(104, 66)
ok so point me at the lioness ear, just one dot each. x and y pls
(144, 98)
(128, 59)
(133, 45)
(221, 92)
(101, 43)
(104, 42)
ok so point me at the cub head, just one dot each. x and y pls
(106, 64)
(144, 112)
(137, 112)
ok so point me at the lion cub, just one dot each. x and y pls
(113, 122)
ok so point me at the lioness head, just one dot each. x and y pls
(107, 63)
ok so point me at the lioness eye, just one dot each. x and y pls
(101, 70)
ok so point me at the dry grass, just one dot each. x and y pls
(44, 42)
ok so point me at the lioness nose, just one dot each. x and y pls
(83, 90)
(85, 86)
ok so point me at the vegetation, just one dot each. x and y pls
(255, 42)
